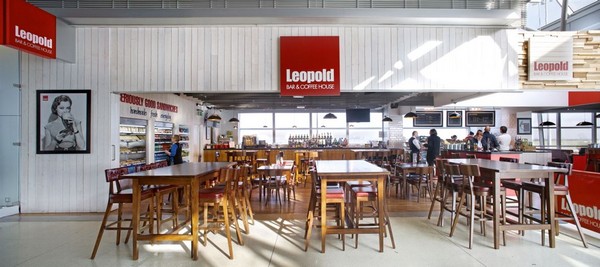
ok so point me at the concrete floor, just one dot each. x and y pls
(67, 240)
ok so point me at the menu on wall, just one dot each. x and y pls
(481, 118)
(428, 119)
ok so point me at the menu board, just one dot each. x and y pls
(428, 119)
(454, 122)
(481, 118)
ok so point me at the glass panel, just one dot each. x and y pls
(364, 136)
(289, 120)
(549, 137)
(575, 137)
(256, 120)
(318, 121)
(571, 119)
(266, 135)
(281, 136)
(536, 120)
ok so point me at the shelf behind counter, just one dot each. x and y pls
(325, 153)
(539, 157)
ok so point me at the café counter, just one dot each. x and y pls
(539, 157)
(289, 153)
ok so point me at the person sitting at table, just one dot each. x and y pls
(433, 146)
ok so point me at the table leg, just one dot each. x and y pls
(323, 212)
(194, 191)
(380, 203)
(135, 213)
(496, 211)
(550, 193)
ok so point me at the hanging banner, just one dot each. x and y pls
(550, 58)
(29, 28)
(309, 65)
(145, 108)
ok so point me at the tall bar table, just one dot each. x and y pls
(498, 170)
(189, 174)
(351, 170)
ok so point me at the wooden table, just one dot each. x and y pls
(406, 168)
(351, 170)
(498, 170)
(191, 174)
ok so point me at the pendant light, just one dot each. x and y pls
(584, 122)
(597, 115)
(234, 120)
(410, 115)
(547, 123)
(387, 119)
(329, 116)
(214, 117)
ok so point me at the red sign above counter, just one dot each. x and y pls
(2, 22)
(309, 65)
(29, 28)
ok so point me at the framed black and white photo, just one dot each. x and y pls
(63, 121)
(454, 121)
(523, 126)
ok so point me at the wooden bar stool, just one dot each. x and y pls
(452, 186)
(438, 193)
(119, 192)
(423, 178)
(335, 197)
(561, 188)
(473, 189)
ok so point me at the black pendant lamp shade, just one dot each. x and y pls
(387, 119)
(214, 117)
(547, 123)
(234, 120)
(585, 123)
(410, 115)
(329, 116)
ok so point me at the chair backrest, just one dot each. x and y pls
(559, 176)
(513, 160)
(469, 172)
(113, 178)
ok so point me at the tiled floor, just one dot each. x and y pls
(276, 239)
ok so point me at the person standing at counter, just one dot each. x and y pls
(504, 139)
(489, 140)
(415, 146)
(433, 146)
(175, 153)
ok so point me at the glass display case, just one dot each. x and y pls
(163, 131)
(132, 139)
(184, 140)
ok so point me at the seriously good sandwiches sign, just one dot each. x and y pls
(29, 28)
(550, 58)
(309, 66)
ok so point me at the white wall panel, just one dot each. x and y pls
(230, 59)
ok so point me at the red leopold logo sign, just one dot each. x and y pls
(550, 58)
(29, 28)
(309, 66)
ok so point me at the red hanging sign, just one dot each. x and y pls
(2, 22)
(29, 28)
(309, 65)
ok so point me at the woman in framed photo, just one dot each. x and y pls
(63, 131)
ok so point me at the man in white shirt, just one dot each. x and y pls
(415, 146)
(504, 139)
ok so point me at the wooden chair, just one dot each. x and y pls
(307, 164)
(452, 186)
(364, 195)
(516, 186)
(561, 188)
(217, 204)
(119, 192)
(423, 178)
(335, 197)
(438, 193)
(472, 189)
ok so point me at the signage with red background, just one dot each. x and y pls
(309, 65)
(29, 28)
(2, 22)
(583, 188)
